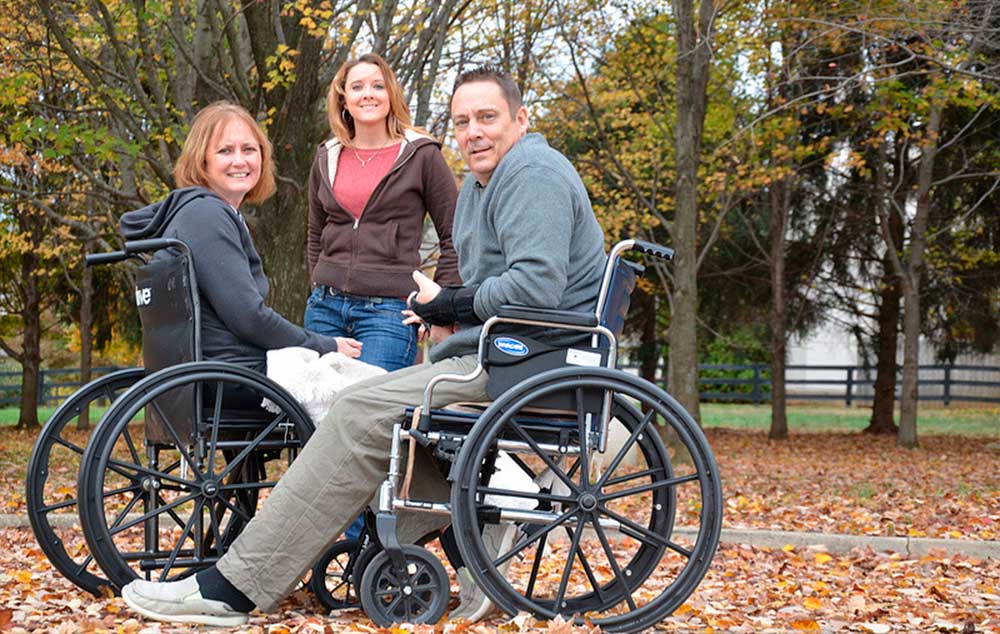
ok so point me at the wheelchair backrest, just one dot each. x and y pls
(615, 305)
(509, 360)
(164, 293)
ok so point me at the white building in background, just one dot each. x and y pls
(833, 345)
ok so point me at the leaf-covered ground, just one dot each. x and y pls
(843, 483)
(747, 590)
(838, 483)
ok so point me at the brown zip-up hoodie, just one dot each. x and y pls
(377, 253)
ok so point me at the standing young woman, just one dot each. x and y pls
(370, 188)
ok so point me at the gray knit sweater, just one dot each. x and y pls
(528, 238)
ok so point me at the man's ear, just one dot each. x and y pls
(522, 119)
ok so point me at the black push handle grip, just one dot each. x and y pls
(656, 250)
(152, 244)
(96, 259)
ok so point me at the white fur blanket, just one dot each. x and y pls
(312, 379)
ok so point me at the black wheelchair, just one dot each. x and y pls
(615, 533)
(182, 457)
(604, 520)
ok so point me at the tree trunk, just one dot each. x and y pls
(779, 308)
(30, 344)
(280, 224)
(912, 284)
(692, 81)
(884, 400)
(86, 336)
(649, 347)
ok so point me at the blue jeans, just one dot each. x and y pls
(374, 321)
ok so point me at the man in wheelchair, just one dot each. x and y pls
(526, 235)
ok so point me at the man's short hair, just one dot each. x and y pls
(500, 77)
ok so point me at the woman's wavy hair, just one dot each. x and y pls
(190, 169)
(341, 122)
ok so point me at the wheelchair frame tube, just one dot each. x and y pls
(387, 492)
(609, 269)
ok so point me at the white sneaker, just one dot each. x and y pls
(473, 604)
(179, 602)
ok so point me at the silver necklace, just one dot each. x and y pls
(364, 162)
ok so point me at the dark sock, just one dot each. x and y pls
(214, 586)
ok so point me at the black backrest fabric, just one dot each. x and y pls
(163, 294)
(619, 298)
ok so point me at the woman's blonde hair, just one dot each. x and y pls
(341, 122)
(190, 168)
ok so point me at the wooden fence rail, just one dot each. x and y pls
(749, 383)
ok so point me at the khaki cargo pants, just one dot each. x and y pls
(336, 475)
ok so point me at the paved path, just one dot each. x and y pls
(831, 542)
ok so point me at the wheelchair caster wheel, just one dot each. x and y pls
(333, 578)
(417, 593)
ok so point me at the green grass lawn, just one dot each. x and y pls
(8, 416)
(931, 418)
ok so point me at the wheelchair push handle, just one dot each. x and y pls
(153, 244)
(133, 248)
(97, 259)
(656, 250)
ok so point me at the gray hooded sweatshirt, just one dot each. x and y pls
(236, 325)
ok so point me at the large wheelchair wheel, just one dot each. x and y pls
(163, 495)
(601, 543)
(56, 450)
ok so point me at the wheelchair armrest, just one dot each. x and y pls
(566, 317)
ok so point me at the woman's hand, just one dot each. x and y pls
(348, 347)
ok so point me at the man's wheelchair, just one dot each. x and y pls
(618, 534)
(180, 460)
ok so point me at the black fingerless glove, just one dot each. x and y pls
(453, 304)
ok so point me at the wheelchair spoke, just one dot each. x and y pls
(131, 445)
(581, 429)
(633, 476)
(124, 489)
(545, 457)
(244, 486)
(539, 551)
(594, 583)
(180, 541)
(82, 567)
(613, 561)
(672, 482)
(216, 415)
(170, 512)
(235, 509)
(124, 512)
(253, 445)
(625, 447)
(178, 444)
(568, 569)
(213, 520)
(639, 531)
(59, 440)
(157, 511)
(524, 466)
(527, 539)
(48, 508)
(123, 467)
